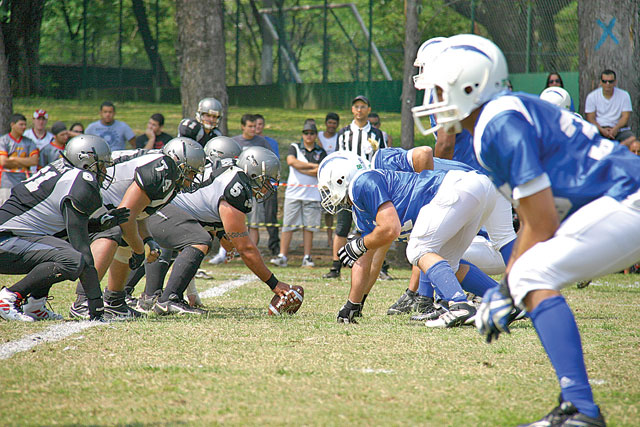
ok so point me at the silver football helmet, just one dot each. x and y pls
(335, 173)
(209, 106)
(91, 153)
(222, 147)
(189, 157)
(262, 167)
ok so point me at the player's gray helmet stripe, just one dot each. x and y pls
(189, 157)
(222, 147)
(262, 167)
(91, 153)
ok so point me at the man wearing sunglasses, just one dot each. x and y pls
(609, 108)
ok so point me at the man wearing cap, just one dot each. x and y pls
(38, 133)
(53, 150)
(17, 154)
(364, 140)
(118, 134)
(302, 198)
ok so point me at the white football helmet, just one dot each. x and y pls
(466, 73)
(557, 96)
(426, 52)
(335, 173)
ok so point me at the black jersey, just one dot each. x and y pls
(230, 184)
(155, 173)
(191, 128)
(35, 206)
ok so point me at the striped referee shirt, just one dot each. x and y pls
(362, 141)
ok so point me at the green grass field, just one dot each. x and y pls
(238, 366)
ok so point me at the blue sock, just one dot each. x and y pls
(425, 287)
(476, 281)
(505, 251)
(444, 280)
(558, 332)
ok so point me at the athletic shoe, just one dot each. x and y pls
(430, 310)
(423, 304)
(307, 261)
(384, 275)
(459, 313)
(218, 259)
(175, 305)
(332, 274)
(37, 309)
(203, 274)
(10, 307)
(280, 260)
(404, 304)
(145, 303)
(79, 309)
(583, 284)
(130, 300)
(119, 310)
(566, 414)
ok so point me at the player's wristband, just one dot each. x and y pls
(147, 239)
(272, 281)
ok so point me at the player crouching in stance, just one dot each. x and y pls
(577, 196)
(439, 211)
(59, 198)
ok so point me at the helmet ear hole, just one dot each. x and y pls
(468, 90)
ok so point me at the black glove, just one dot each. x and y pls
(350, 252)
(114, 217)
(349, 311)
(96, 309)
(153, 245)
(191, 129)
(136, 261)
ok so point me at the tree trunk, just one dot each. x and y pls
(149, 43)
(266, 58)
(598, 50)
(411, 44)
(201, 53)
(6, 102)
(22, 44)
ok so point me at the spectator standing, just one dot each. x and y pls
(302, 198)
(374, 119)
(154, 136)
(248, 138)
(54, 149)
(360, 138)
(115, 132)
(609, 108)
(17, 154)
(328, 140)
(271, 204)
(38, 133)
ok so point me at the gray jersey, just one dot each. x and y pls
(35, 206)
(228, 183)
(154, 173)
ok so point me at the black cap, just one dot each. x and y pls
(310, 126)
(58, 127)
(361, 98)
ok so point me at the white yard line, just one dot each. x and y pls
(60, 331)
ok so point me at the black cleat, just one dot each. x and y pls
(567, 415)
(79, 310)
(459, 313)
(430, 311)
(175, 305)
(145, 303)
(332, 274)
(404, 304)
(119, 311)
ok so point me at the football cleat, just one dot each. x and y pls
(583, 284)
(218, 259)
(145, 303)
(203, 274)
(567, 415)
(459, 313)
(10, 307)
(332, 274)
(175, 305)
(404, 304)
(280, 261)
(37, 309)
(430, 311)
(384, 275)
(307, 261)
(130, 300)
(79, 309)
(119, 310)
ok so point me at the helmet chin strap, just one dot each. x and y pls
(453, 127)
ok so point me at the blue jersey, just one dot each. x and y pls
(408, 192)
(396, 159)
(521, 139)
(451, 165)
(463, 150)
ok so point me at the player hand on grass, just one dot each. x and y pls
(348, 312)
(494, 313)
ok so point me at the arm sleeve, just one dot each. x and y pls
(590, 104)
(626, 105)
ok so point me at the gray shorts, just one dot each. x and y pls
(256, 217)
(173, 228)
(301, 213)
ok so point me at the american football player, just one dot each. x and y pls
(205, 125)
(576, 193)
(59, 198)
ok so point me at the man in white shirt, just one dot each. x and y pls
(329, 137)
(38, 133)
(609, 108)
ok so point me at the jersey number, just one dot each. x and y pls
(34, 183)
(236, 190)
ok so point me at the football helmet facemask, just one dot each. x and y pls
(209, 106)
(262, 167)
(335, 173)
(91, 153)
(189, 157)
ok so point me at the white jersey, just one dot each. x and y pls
(228, 183)
(155, 173)
(40, 142)
(35, 206)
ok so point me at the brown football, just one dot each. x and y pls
(287, 304)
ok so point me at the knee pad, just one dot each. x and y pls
(123, 254)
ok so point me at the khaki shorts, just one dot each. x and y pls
(301, 213)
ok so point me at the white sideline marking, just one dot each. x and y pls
(63, 330)
(51, 334)
(227, 286)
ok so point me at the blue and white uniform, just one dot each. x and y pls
(440, 211)
(528, 145)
